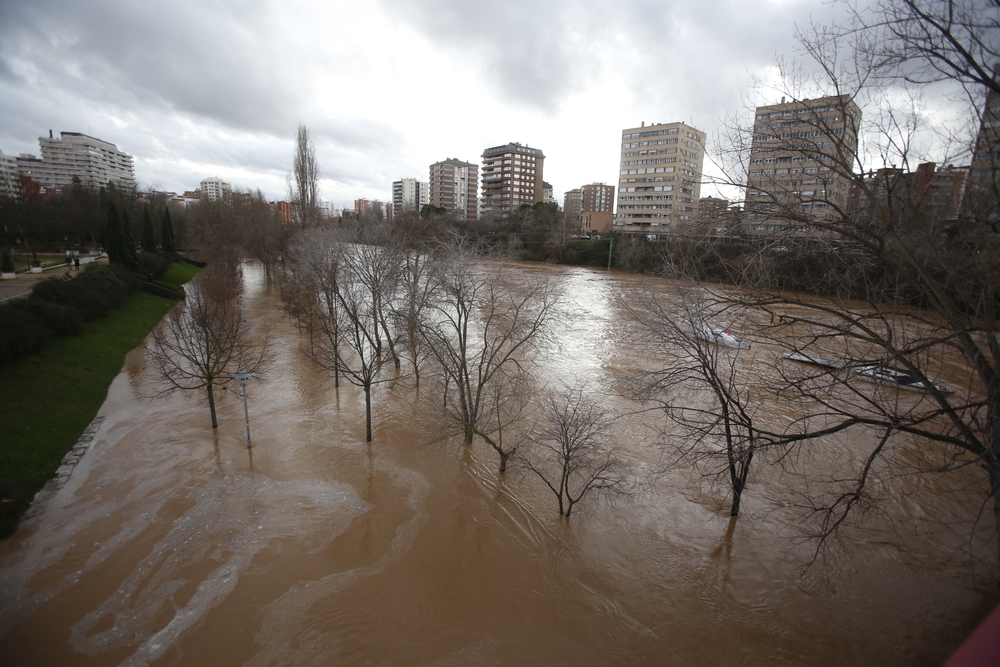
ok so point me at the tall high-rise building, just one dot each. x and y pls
(93, 161)
(590, 207)
(659, 177)
(985, 175)
(409, 194)
(214, 189)
(454, 185)
(512, 175)
(801, 159)
(9, 177)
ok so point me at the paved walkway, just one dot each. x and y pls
(25, 282)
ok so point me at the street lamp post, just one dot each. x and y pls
(242, 377)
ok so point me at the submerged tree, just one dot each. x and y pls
(701, 388)
(484, 321)
(205, 340)
(571, 455)
(918, 254)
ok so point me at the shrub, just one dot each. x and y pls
(130, 281)
(61, 320)
(21, 333)
(151, 263)
(89, 300)
(110, 280)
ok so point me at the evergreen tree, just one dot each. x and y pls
(118, 240)
(148, 236)
(167, 241)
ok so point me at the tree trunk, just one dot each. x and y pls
(211, 406)
(368, 414)
(995, 486)
(503, 461)
(469, 433)
(737, 496)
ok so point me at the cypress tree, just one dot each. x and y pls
(148, 236)
(167, 233)
(118, 240)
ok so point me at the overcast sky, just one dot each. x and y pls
(211, 88)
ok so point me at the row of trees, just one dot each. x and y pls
(460, 325)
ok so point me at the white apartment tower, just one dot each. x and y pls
(512, 176)
(409, 194)
(214, 189)
(93, 161)
(659, 178)
(9, 178)
(454, 185)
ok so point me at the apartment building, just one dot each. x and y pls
(10, 182)
(93, 161)
(801, 163)
(573, 208)
(454, 186)
(924, 200)
(548, 196)
(985, 173)
(659, 178)
(512, 176)
(410, 194)
(215, 189)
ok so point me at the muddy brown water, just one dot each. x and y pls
(174, 545)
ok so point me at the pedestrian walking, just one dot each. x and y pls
(76, 263)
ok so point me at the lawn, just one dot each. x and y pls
(47, 400)
(178, 274)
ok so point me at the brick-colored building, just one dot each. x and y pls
(512, 175)
(454, 186)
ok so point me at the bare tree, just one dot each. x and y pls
(263, 235)
(359, 358)
(929, 287)
(416, 293)
(205, 340)
(483, 321)
(705, 389)
(571, 456)
(303, 186)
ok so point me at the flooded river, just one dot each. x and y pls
(172, 544)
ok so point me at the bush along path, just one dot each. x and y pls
(50, 395)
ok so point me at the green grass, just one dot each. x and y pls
(47, 400)
(178, 274)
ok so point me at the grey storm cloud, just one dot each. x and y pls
(535, 52)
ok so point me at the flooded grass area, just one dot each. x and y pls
(173, 544)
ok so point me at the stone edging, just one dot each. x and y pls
(66, 469)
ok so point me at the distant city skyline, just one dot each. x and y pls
(196, 90)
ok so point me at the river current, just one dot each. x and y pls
(173, 544)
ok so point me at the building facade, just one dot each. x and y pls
(215, 189)
(573, 208)
(512, 176)
(659, 178)
(547, 194)
(454, 186)
(10, 182)
(93, 161)
(801, 163)
(410, 194)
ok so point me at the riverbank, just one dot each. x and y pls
(50, 398)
